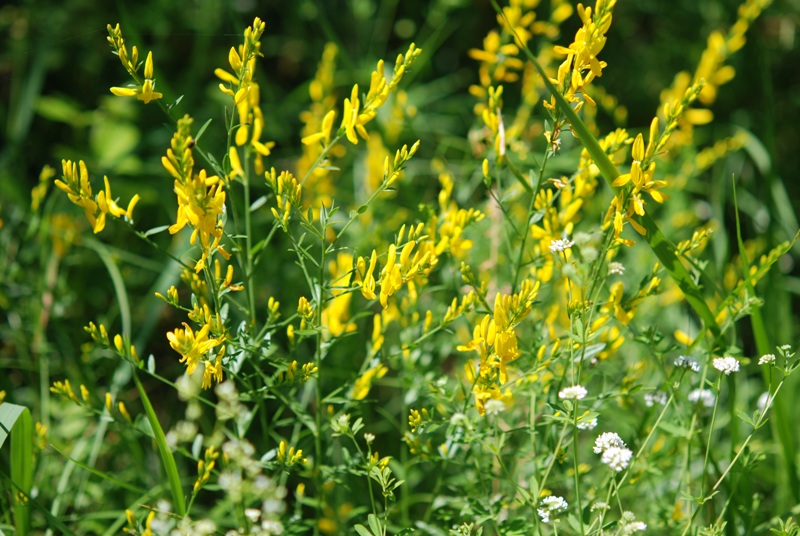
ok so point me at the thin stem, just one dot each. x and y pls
(248, 245)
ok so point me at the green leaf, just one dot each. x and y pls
(745, 418)
(15, 421)
(163, 449)
(156, 230)
(374, 524)
(202, 130)
(362, 530)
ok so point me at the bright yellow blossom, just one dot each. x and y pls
(192, 346)
(143, 89)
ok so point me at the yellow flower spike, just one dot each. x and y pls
(109, 402)
(363, 384)
(653, 139)
(236, 165)
(234, 60)
(148, 524)
(282, 452)
(84, 393)
(124, 91)
(118, 343)
(131, 205)
(377, 334)
(148, 64)
(124, 412)
(368, 278)
(134, 63)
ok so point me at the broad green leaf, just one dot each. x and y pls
(15, 421)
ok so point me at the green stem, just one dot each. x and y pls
(248, 244)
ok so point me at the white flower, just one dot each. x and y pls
(494, 406)
(253, 514)
(616, 268)
(606, 441)
(726, 365)
(617, 458)
(629, 525)
(575, 392)
(562, 244)
(687, 362)
(767, 359)
(587, 425)
(704, 396)
(656, 397)
(369, 438)
(551, 505)
(581, 238)
(762, 400)
(599, 505)
(786, 347)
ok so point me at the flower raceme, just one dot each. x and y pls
(144, 88)
(581, 66)
(246, 97)
(356, 112)
(398, 270)
(79, 190)
(192, 346)
(495, 340)
(201, 198)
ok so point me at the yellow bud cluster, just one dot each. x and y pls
(205, 467)
(364, 383)
(357, 114)
(143, 88)
(288, 194)
(289, 457)
(416, 418)
(79, 190)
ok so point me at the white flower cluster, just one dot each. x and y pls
(629, 525)
(494, 406)
(613, 451)
(726, 365)
(587, 425)
(606, 441)
(574, 392)
(616, 268)
(551, 505)
(688, 363)
(703, 396)
(562, 244)
(767, 359)
(656, 397)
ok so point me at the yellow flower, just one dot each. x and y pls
(501, 58)
(192, 347)
(79, 190)
(201, 198)
(367, 275)
(364, 382)
(144, 90)
(357, 114)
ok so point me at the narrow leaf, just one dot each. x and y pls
(163, 449)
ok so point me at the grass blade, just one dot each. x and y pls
(15, 421)
(780, 423)
(163, 449)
